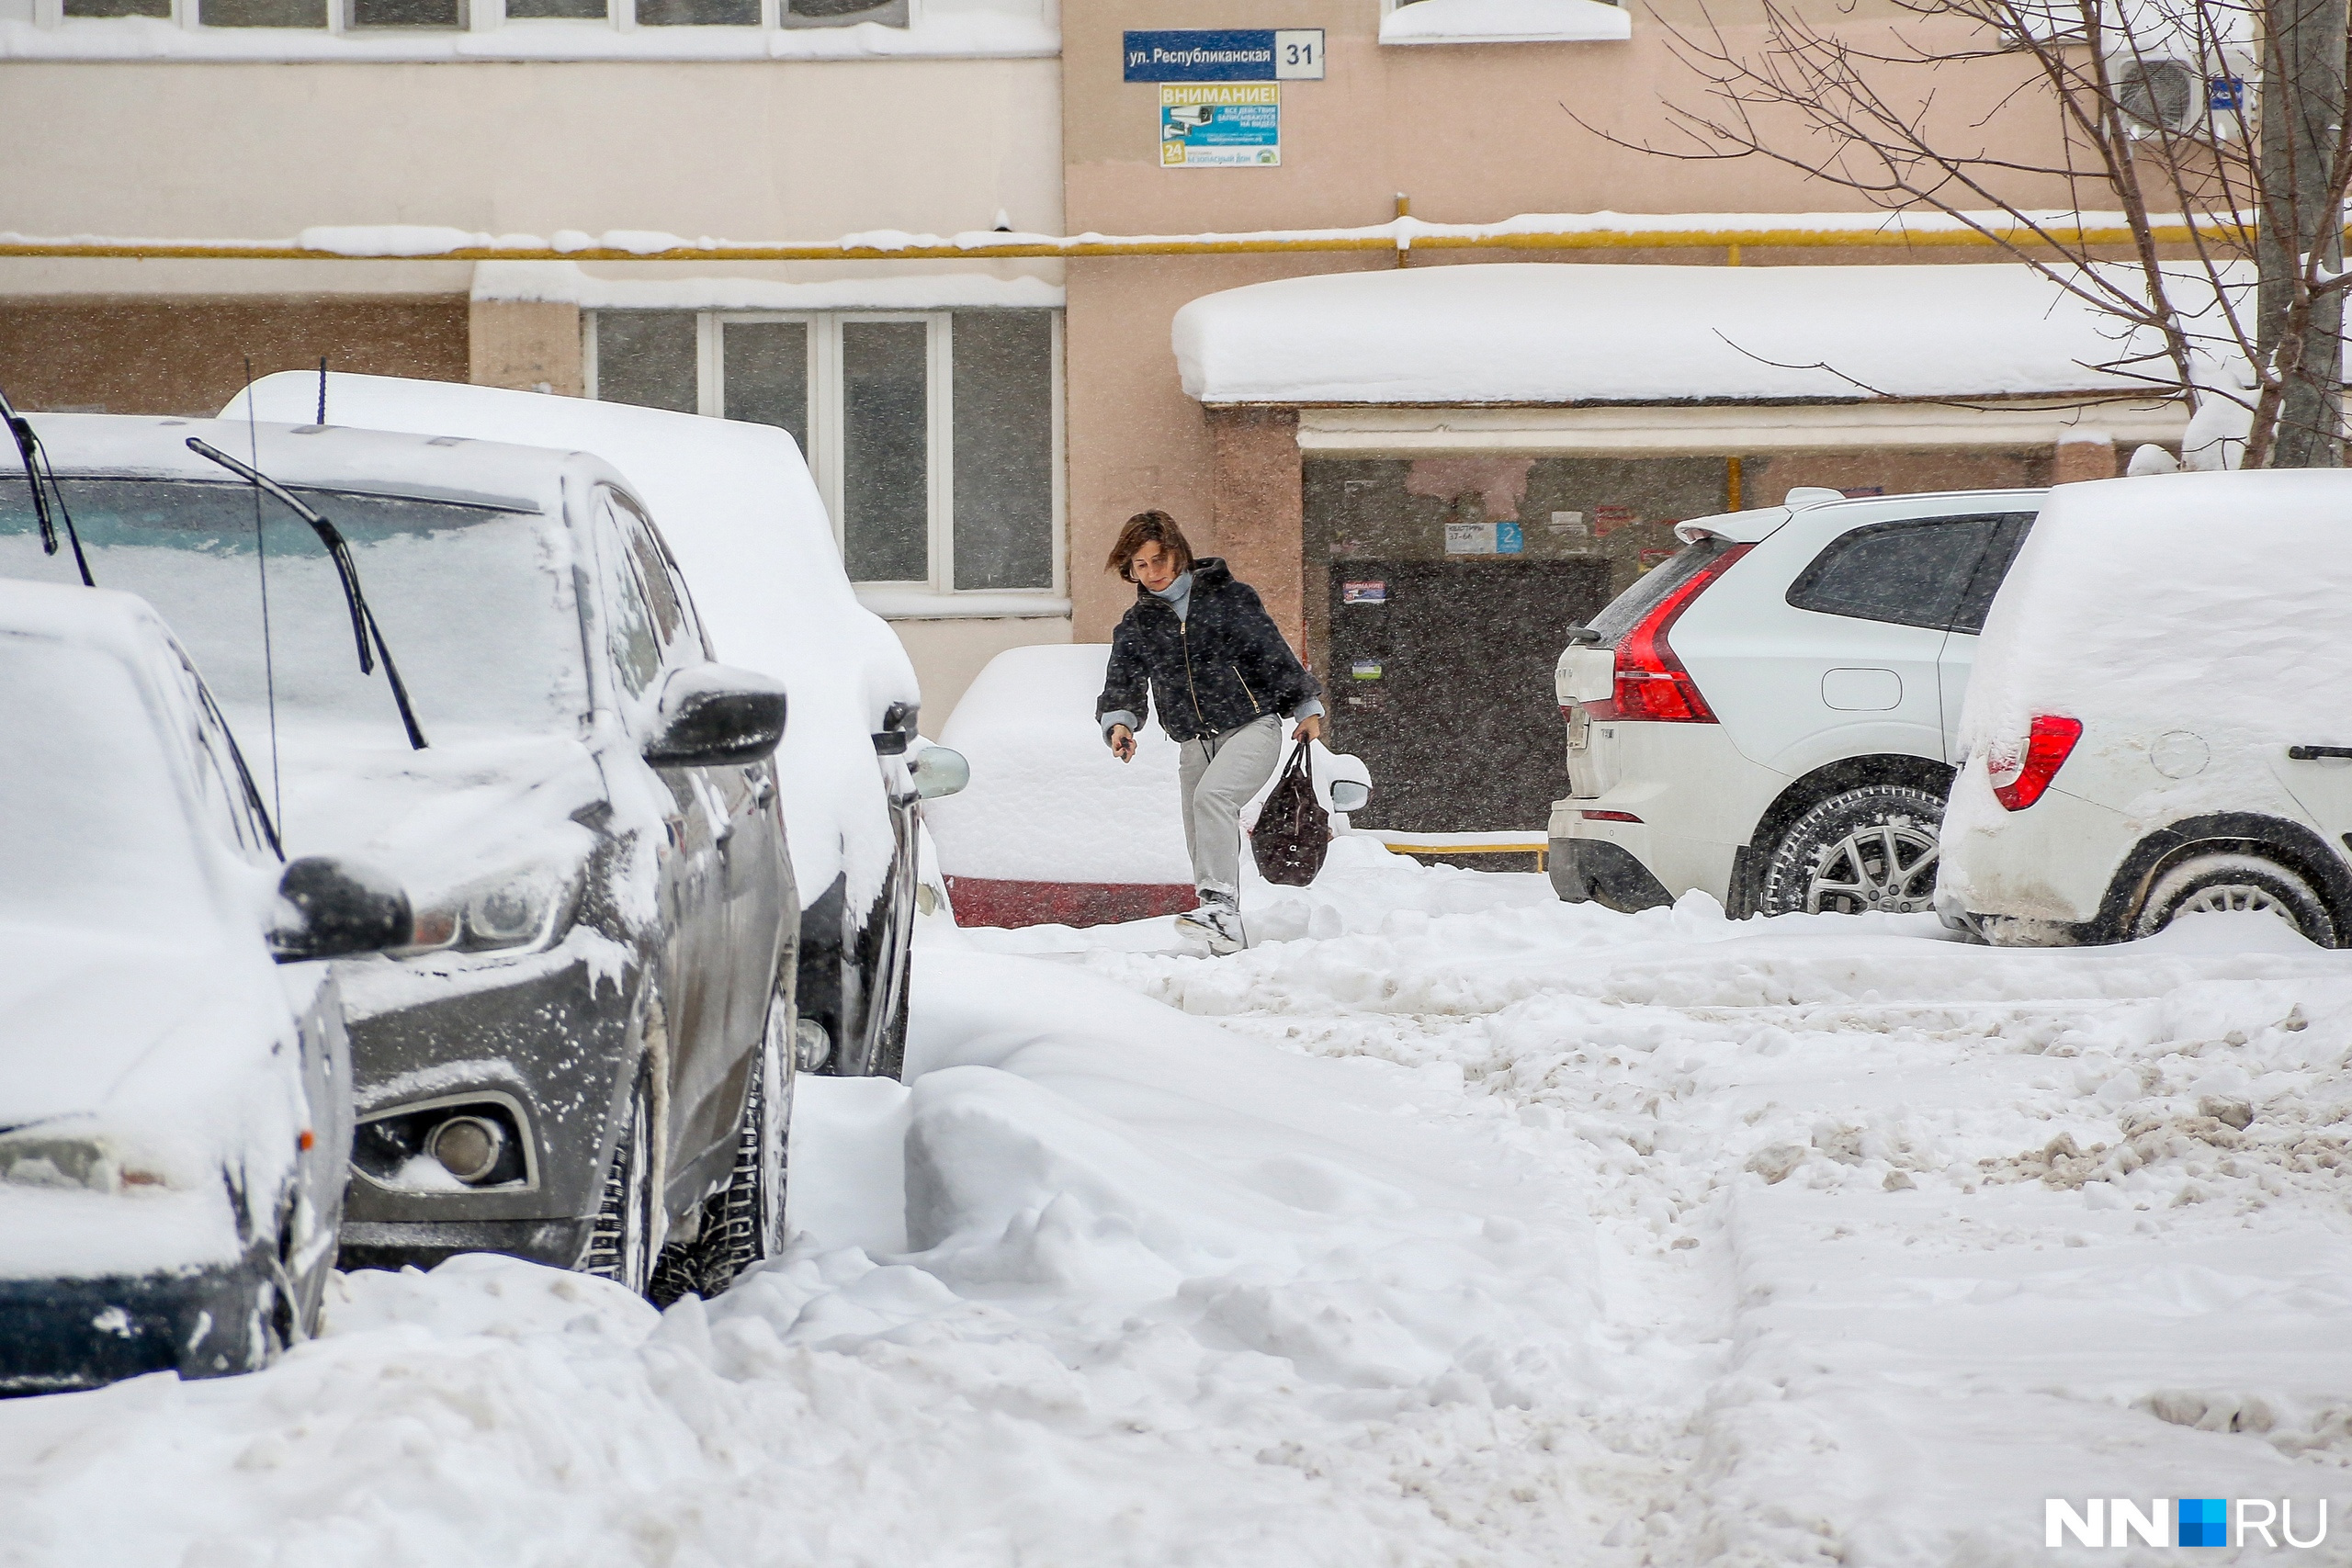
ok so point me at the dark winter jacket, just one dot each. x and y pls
(1221, 665)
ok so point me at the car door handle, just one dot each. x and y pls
(2312, 754)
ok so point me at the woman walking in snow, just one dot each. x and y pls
(1200, 644)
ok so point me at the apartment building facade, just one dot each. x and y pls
(982, 426)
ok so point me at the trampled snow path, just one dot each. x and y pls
(1449, 1226)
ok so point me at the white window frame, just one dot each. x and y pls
(480, 17)
(937, 591)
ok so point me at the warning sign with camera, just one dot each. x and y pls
(1222, 125)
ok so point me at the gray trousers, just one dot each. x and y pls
(1218, 775)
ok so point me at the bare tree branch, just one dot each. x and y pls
(2063, 96)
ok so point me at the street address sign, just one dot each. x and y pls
(1225, 54)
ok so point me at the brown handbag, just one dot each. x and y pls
(1294, 832)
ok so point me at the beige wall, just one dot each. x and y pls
(1472, 132)
(738, 150)
(948, 655)
(1134, 440)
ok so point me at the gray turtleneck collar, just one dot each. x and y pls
(1177, 595)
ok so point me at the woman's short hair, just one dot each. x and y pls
(1145, 529)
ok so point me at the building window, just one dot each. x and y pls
(262, 12)
(446, 15)
(934, 435)
(474, 16)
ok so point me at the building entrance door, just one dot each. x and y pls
(1439, 678)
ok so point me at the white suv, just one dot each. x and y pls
(1769, 716)
(2163, 717)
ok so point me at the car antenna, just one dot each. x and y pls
(322, 390)
(363, 619)
(261, 563)
(29, 450)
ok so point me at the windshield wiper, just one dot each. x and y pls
(29, 450)
(363, 619)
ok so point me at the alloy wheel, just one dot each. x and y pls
(1882, 868)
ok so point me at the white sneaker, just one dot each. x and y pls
(1217, 922)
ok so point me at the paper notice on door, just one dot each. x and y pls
(1363, 593)
(1607, 520)
(1469, 538)
(1569, 525)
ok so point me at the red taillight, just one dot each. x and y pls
(1610, 816)
(1651, 681)
(2020, 777)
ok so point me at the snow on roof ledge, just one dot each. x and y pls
(1506, 21)
(1554, 333)
(569, 283)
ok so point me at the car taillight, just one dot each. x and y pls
(1651, 683)
(2021, 773)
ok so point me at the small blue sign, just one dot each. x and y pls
(1201, 54)
(1510, 539)
(1225, 54)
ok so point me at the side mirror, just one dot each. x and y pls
(714, 715)
(938, 771)
(1349, 795)
(333, 908)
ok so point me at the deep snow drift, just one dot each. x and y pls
(1450, 1226)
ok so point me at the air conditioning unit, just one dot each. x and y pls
(2182, 90)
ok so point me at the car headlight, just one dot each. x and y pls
(524, 907)
(81, 1163)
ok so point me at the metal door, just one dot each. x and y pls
(1441, 680)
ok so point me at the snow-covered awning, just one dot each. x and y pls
(1522, 333)
(1506, 21)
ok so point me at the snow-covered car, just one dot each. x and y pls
(587, 1047)
(738, 505)
(1769, 716)
(174, 1108)
(1054, 828)
(2161, 720)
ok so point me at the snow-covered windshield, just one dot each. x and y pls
(90, 829)
(475, 603)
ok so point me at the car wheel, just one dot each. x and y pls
(1870, 850)
(620, 1244)
(2225, 882)
(752, 1218)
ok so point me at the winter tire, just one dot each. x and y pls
(620, 1244)
(1870, 850)
(2225, 881)
(751, 1225)
(744, 1223)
